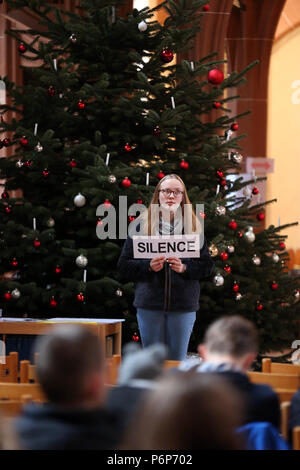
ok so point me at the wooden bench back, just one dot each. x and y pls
(281, 381)
(278, 368)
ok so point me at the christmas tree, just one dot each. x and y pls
(107, 113)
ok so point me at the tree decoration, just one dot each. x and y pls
(247, 191)
(51, 90)
(22, 48)
(79, 200)
(126, 182)
(224, 256)
(39, 148)
(274, 285)
(220, 174)
(6, 142)
(235, 287)
(160, 175)
(227, 269)
(166, 55)
(259, 306)
(135, 337)
(5, 195)
(53, 302)
(80, 105)
(50, 222)
(73, 38)
(156, 131)
(218, 280)
(213, 250)
(129, 147)
(217, 105)
(142, 26)
(15, 293)
(81, 261)
(215, 76)
(249, 235)
(230, 249)
(236, 157)
(14, 263)
(112, 179)
(7, 295)
(220, 210)
(80, 297)
(206, 7)
(234, 127)
(107, 203)
(260, 216)
(8, 209)
(139, 201)
(184, 165)
(36, 243)
(255, 191)
(275, 258)
(45, 173)
(24, 141)
(232, 225)
(238, 296)
(256, 260)
(119, 293)
(73, 163)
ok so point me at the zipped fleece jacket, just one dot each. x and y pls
(165, 289)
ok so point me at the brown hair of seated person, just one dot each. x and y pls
(187, 411)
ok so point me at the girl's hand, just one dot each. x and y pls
(176, 265)
(156, 264)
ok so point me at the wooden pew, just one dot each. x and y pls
(278, 368)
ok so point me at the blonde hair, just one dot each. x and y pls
(150, 218)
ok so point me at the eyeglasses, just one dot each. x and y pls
(168, 192)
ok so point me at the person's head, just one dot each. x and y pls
(170, 198)
(187, 410)
(231, 339)
(70, 366)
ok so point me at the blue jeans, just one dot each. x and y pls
(173, 329)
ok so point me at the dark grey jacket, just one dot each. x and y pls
(165, 289)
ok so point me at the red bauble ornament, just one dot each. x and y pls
(22, 48)
(80, 297)
(239, 234)
(51, 90)
(227, 269)
(5, 195)
(45, 173)
(80, 105)
(128, 147)
(6, 142)
(135, 337)
(73, 163)
(24, 141)
(217, 105)
(36, 243)
(156, 131)
(223, 183)
(27, 164)
(126, 182)
(234, 126)
(7, 295)
(53, 302)
(224, 256)
(282, 245)
(260, 216)
(202, 215)
(232, 225)
(160, 175)
(14, 263)
(107, 203)
(215, 76)
(57, 269)
(99, 222)
(8, 209)
(255, 191)
(184, 165)
(220, 174)
(166, 55)
(206, 7)
(131, 218)
(259, 306)
(235, 287)
(274, 285)
(139, 201)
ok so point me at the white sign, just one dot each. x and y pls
(179, 246)
(260, 165)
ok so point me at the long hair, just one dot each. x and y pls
(150, 217)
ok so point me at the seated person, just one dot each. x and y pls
(71, 372)
(230, 347)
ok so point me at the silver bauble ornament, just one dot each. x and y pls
(213, 250)
(16, 293)
(256, 260)
(112, 179)
(236, 157)
(50, 222)
(275, 258)
(230, 249)
(142, 26)
(73, 38)
(220, 210)
(81, 261)
(39, 147)
(79, 200)
(247, 191)
(19, 164)
(218, 280)
(249, 235)
(238, 296)
(119, 293)
(296, 295)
